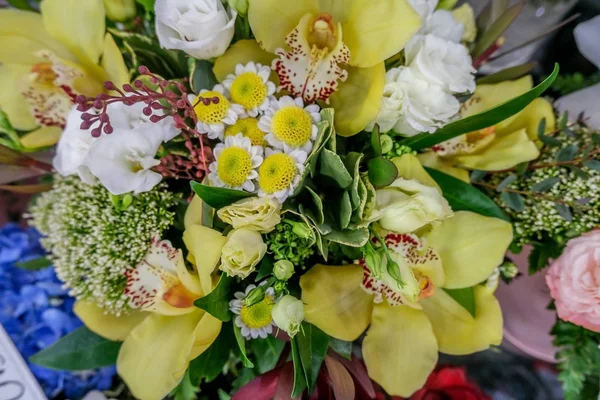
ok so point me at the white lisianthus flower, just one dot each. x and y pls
(442, 62)
(242, 252)
(201, 28)
(288, 314)
(412, 105)
(443, 25)
(261, 214)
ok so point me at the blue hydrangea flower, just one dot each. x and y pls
(36, 311)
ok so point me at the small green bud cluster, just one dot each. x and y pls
(291, 241)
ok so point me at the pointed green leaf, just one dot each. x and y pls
(312, 347)
(300, 383)
(35, 264)
(345, 210)
(564, 211)
(514, 201)
(21, 4)
(506, 182)
(210, 363)
(216, 303)
(341, 347)
(332, 166)
(318, 205)
(352, 238)
(352, 162)
(464, 297)
(567, 153)
(592, 164)
(545, 185)
(507, 74)
(496, 29)
(376, 141)
(241, 342)
(202, 76)
(267, 352)
(265, 268)
(217, 197)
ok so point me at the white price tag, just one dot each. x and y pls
(16, 380)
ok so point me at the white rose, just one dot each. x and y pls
(201, 28)
(288, 314)
(242, 252)
(407, 205)
(442, 62)
(424, 8)
(257, 213)
(443, 25)
(411, 105)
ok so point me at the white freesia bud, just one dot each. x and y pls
(441, 62)
(412, 105)
(201, 28)
(257, 213)
(407, 205)
(242, 252)
(288, 314)
(120, 10)
(283, 270)
(466, 16)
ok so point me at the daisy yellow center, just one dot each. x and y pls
(292, 125)
(258, 315)
(248, 90)
(249, 128)
(211, 108)
(233, 166)
(276, 173)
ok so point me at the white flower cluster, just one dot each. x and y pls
(420, 97)
(263, 141)
(92, 242)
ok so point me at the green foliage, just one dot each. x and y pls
(216, 303)
(217, 197)
(36, 264)
(341, 347)
(489, 36)
(465, 297)
(241, 342)
(508, 74)
(209, 364)
(382, 172)
(308, 352)
(186, 390)
(542, 253)
(201, 75)
(267, 352)
(285, 244)
(80, 350)
(21, 4)
(579, 360)
(569, 83)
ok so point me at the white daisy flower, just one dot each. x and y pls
(214, 111)
(289, 125)
(250, 87)
(249, 128)
(280, 173)
(235, 163)
(255, 321)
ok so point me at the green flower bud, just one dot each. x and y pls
(241, 6)
(120, 10)
(288, 314)
(255, 296)
(387, 143)
(283, 270)
(300, 229)
(373, 258)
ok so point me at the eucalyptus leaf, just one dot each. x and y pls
(465, 297)
(203, 76)
(478, 175)
(564, 211)
(564, 120)
(382, 172)
(36, 264)
(567, 153)
(549, 140)
(482, 120)
(216, 303)
(506, 182)
(341, 347)
(332, 166)
(80, 350)
(514, 201)
(496, 29)
(507, 74)
(545, 185)
(592, 164)
(541, 127)
(218, 197)
(463, 197)
(241, 342)
(521, 168)
(376, 141)
(312, 347)
(578, 172)
(596, 138)
(491, 12)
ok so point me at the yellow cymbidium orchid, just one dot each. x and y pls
(47, 60)
(332, 51)
(164, 332)
(405, 334)
(502, 146)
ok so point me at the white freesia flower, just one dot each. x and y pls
(201, 28)
(441, 62)
(443, 25)
(411, 105)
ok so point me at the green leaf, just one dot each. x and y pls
(80, 350)
(482, 120)
(265, 268)
(35, 265)
(382, 172)
(564, 211)
(216, 303)
(208, 365)
(549, 140)
(341, 347)
(507, 74)
(352, 162)
(491, 12)
(352, 238)
(318, 203)
(564, 120)
(21, 5)
(592, 164)
(581, 174)
(186, 390)
(596, 138)
(312, 347)
(217, 197)
(202, 76)
(545, 185)
(299, 376)
(241, 342)
(465, 297)
(345, 210)
(541, 254)
(147, 4)
(332, 166)
(464, 197)
(267, 352)
(514, 201)
(478, 175)
(506, 182)
(376, 141)
(496, 29)
(223, 395)
(567, 153)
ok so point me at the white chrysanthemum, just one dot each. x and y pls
(280, 173)
(289, 125)
(235, 163)
(254, 321)
(250, 87)
(214, 111)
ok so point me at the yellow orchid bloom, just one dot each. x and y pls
(502, 146)
(405, 332)
(328, 50)
(164, 332)
(47, 60)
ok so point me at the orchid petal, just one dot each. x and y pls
(432, 160)
(400, 349)
(205, 334)
(457, 332)
(113, 63)
(204, 245)
(471, 247)
(335, 302)
(242, 52)
(410, 167)
(108, 326)
(13, 81)
(42, 137)
(531, 117)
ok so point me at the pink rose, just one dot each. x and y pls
(574, 281)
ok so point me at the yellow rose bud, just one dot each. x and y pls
(466, 16)
(288, 314)
(283, 270)
(120, 10)
(407, 205)
(242, 252)
(260, 214)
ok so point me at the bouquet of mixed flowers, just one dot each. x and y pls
(283, 186)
